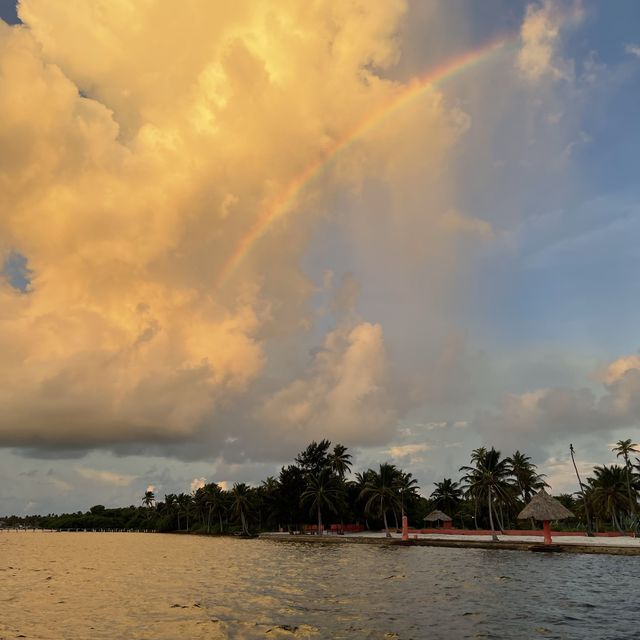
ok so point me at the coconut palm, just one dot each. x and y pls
(624, 448)
(476, 455)
(380, 492)
(200, 506)
(171, 505)
(323, 491)
(340, 460)
(525, 475)
(585, 502)
(148, 499)
(241, 499)
(608, 492)
(184, 502)
(219, 503)
(488, 480)
(447, 495)
(267, 494)
(358, 484)
(406, 485)
(210, 499)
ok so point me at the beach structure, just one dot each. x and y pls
(438, 516)
(545, 508)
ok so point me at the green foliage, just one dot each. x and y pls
(491, 491)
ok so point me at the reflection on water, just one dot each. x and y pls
(101, 585)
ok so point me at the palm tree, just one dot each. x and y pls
(525, 475)
(184, 501)
(268, 494)
(608, 492)
(407, 485)
(241, 495)
(361, 479)
(171, 504)
(340, 460)
(219, 503)
(210, 497)
(380, 492)
(323, 492)
(488, 479)
(585, 503)
(200, 505)
(148, 498)
(624, 448)
(447, 495)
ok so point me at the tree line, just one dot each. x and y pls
(319, 488)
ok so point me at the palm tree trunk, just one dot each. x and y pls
(499, 518)
(475, 511)
(244, 523)
(632, 502)
(615, 522)
(220, 518)
(584, 497)
(494, 537)
(386, 526)
(319, 520)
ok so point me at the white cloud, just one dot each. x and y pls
(409, 453)
(106, 477)
(197, 483)
(616, 370)
(344, 394)
(561, 475)
(545, 416)
(60, 484)
(129, 202)
(633, 49)
(539, 55)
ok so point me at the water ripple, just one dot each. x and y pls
(76, 586)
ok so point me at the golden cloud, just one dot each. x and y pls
(139, 147)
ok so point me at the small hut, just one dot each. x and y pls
(439, 517)
(546, 508)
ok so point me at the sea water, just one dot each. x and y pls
(135, 585)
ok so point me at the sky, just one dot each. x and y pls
(227, 230)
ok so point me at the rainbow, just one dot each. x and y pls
(284, 202)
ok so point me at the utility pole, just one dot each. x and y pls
(584, 497)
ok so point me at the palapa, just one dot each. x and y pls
(436, 515)
(545, 507)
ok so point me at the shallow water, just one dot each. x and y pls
(119, 585)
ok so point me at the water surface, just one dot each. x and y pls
(119, 585)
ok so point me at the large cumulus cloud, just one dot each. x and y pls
(139, 145)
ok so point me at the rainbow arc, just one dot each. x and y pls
(285, 201)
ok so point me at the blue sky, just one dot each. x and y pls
(464, 274)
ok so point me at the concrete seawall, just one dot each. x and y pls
(502, 545)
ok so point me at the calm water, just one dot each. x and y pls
(100, 585)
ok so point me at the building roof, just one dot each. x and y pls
(437, 515)
(545, 507)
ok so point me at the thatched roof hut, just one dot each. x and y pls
(436, 516)
(545, 507)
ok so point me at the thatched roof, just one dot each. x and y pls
(436, 515)
(545, 507)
